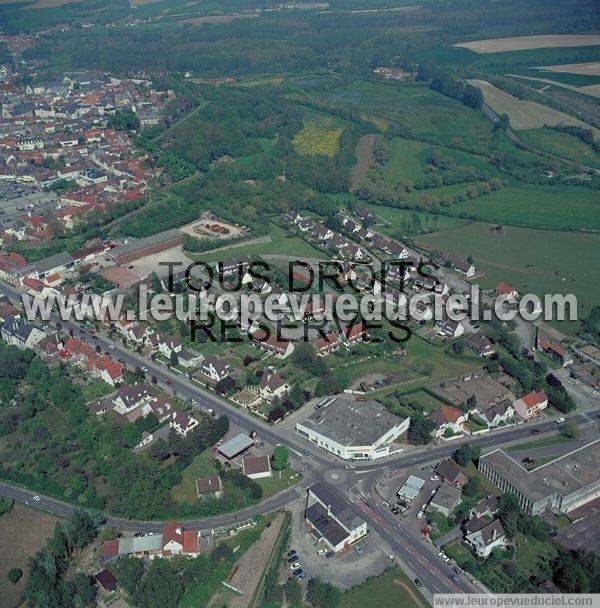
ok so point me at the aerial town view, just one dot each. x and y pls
(299, 303)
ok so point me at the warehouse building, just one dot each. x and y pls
(331, 520)
(561, 485)
(352, 429)
(140, 248)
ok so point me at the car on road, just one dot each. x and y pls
(37, 498)
(144, 369)
(350, 467)
(305, 451)
(420, 515)
(454, 579)
(295, 566)
(434, 478)
(433, 491)
(417, 582)
(111, 346)
(561, 419)
(534, 431)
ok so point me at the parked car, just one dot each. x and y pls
(561, 419)
(358, 549)
(329, 554)
(322, 551)
(292, 558)
(295, 565)
(418, 582)
(291, 552)
(420, 515)
(435, 478)
(298, 573)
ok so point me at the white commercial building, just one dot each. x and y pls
(352, 429)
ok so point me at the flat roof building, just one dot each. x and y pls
(561, 485)
(410, 488)
(331, 519)
(140, 248)
(352, 429)
(235, 446)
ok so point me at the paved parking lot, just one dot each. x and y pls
(345, 569)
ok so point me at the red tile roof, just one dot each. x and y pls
(533, 399)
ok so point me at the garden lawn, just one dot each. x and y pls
(390, 589)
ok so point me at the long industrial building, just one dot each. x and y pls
(352, 429)
(140, 248)
(561, 485)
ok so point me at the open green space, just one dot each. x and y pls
(535, 206)
(544, 442)
(562, 144)
(390, 589)
(320, 135)
(280, 244)
(532, 261)
(408, 221)
(418, 110)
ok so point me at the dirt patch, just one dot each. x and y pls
(523, 43)
(364, 159)
(23, 532)
(248, 569)
(416, 599)
(217, 19)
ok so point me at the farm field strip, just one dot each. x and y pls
(525, 43)
(586, 69)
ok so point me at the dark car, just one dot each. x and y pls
(329, 554)
(454, 578)
(291, 552)
(534, 431)
(292, 558)
(297, 572)
(418, 583)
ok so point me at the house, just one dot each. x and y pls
(182, 422)
(446, 499)
(106, 580)
(486, 507)
(462, 266)
(129, 397)
(449, 328)
(137, 332)
(486, 539)
(49, 347)
(161, 407)
(209, 486)
(269, 342)
(481, 345)
(327, 344)
(256, 467)
(178, 541)
(555, 351)
(215, 369)
(168, 345)
(531, 405)
(498, 413)
(451, 473)
(448, 417)
(20, 333)
(105, 368)
(188, 358)
(272, 385)
(507, 291)
(355, 333)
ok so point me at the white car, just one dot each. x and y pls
(295, 565)
(111, 346)
(435, 478)
(559, 420)
(420, 515)
(37, 498)
(322, 551)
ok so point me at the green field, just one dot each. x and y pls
(532, 261)
(280, 244)
(533, 206)
(407, 221)
(407, 159)
(544, 442)
(319, 136)
(418, 110)
(392, 589)
(562, 144)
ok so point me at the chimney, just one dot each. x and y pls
(494, 534)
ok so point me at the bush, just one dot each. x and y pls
(14, 575)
